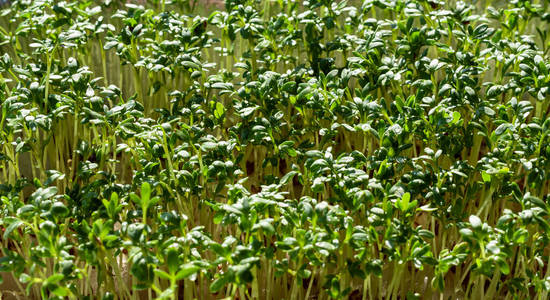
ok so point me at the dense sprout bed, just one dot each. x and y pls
(274, 149)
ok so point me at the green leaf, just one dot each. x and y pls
(55, 278)
(163, 275)
(503, 265)
(207, 146)
(287, 177)
(15, 224)
(24, 278)
(145, 193)
(220, 110)
(475, 221)
(219, 283)
(59, 209)
(456, 117)
(136, 199)
(172, 260)
(486, 177)
(61, 291)
(187, 270)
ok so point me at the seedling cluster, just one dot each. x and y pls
(275, 149)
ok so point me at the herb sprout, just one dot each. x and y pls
(274, 149)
